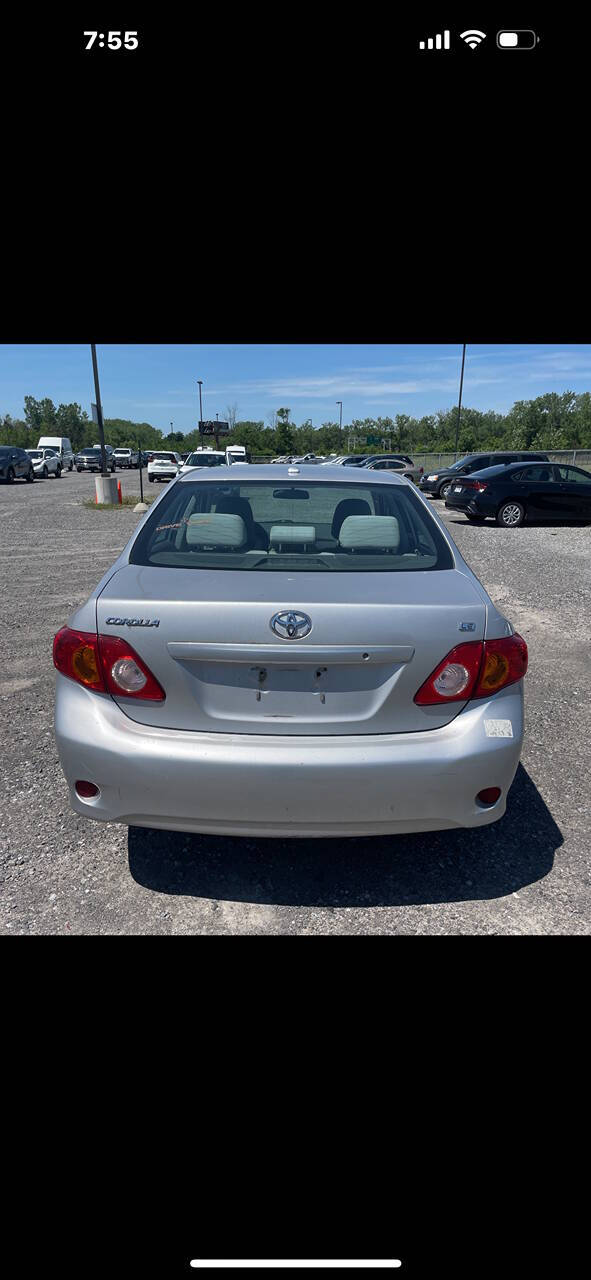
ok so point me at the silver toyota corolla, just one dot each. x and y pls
(301, 652)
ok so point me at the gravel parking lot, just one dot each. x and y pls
(527, 874)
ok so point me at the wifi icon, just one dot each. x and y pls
(473, 38)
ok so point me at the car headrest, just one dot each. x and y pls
(214, 529)
(348, 507)
(370, 533)
(545, 475)
(236, 507)
(292, 535)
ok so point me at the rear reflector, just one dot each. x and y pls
(490, 795)
(86, 789)
(475, 670)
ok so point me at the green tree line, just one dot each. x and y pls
(551, 421)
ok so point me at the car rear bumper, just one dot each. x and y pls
(245, 784)
(474, 506)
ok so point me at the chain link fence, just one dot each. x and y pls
(431, 461)
(576, 457)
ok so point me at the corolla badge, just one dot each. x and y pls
(291, 625)
(132, 622)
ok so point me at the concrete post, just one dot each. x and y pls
(106, 488)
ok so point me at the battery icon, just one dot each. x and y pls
(517, 39)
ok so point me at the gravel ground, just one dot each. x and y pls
(61, 874)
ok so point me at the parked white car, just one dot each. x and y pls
(63, 447)
(45, 463)
(164, 464)
(204, 458)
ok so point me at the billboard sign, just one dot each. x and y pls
(211, 428)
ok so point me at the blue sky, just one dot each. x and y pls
(158, 384)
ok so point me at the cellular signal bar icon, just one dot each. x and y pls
(435, 42)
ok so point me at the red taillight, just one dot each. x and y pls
(75, 654)
(105, 664)
(126, 675)
(475, 670)
(454, 679)
(478, 485)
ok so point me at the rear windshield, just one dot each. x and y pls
(265, 526)
(163, 457)
(89, 453)
(206, 460)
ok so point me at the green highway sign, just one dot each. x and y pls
(372, 439)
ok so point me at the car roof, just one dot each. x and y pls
(290, 471)
(502, 467)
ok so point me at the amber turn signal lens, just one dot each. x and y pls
(85, 666)
(496, 670)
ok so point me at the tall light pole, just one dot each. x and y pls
(339, 402)
(99, 409)
(460, 400)
(171, 425)
(200, 384)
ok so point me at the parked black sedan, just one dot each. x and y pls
(514, 493)
(15, 464)
(439, 483)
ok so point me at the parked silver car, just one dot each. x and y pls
(298, 654)
(402, 465)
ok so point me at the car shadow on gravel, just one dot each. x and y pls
(490, 523)
(434, 867)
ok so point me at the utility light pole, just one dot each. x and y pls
(99, 409)
(200, 384)
(460, 400)
(339, 402)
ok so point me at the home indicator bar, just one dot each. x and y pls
(294, 1264)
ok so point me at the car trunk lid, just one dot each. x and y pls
(375, 637)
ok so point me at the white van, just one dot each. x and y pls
(236, 453)
(63, 446)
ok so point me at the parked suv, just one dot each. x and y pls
(438, 482)
(15, 464)
(63, 448)
(163, 465)
(46, 462)
(91, 460)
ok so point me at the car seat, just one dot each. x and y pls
(348, 507)
(236, 506)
